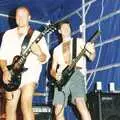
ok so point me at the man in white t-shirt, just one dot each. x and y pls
(75, 87)
(10, 47)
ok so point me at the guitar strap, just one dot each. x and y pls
(74, 48)
(26, 40)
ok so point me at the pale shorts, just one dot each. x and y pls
(74, 88)
(30, 76)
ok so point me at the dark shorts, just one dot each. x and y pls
(75, 88)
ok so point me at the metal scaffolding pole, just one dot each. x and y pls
(84, 30)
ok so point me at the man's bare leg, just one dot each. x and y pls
(59, 112)
(82, 108)
(12, 99)
(26, 101)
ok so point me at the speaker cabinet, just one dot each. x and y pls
(42, 112)
(104, 106)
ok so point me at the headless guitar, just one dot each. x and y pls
(69, 70)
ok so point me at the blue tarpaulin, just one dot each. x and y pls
(102, 15)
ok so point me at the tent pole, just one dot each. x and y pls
(84, 31)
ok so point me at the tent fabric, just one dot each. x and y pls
(102, 15)
(41, 10)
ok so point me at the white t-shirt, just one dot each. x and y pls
(58, 54)
(11, 46)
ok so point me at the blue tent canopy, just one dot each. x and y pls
(102, 15)
(41, 10)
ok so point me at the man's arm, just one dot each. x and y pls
(90, 49)
(90, 53)
(6, 74)
(3, 65)
(36, 49)
(41, 50)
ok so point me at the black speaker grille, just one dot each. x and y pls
(113, 117)
(104, 106)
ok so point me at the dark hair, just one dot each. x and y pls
(63, 22)
(24, 7)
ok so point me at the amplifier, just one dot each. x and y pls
(104, 106)
(42, 112)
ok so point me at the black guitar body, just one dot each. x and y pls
(15, 71)
(66, 75)
(15, 81)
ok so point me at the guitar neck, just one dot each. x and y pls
(76, 59)
(27, 52)
(92, 40)
(24, 56)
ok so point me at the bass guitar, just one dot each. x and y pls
(17, 66)
(69, 70)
